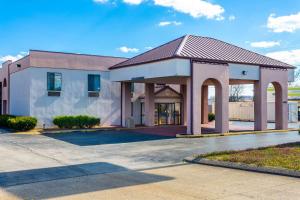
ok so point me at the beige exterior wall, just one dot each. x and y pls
(219, 75)
(279, 78)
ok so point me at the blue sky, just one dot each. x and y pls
(128, 27)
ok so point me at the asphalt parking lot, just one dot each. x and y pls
(28, 161)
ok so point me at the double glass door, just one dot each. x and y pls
(167, 114)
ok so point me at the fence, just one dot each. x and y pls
(244, 111)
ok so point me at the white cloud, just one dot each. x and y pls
(291, 57)
(195, 8)
(133, 2)
(232, 18)
(125, 49)
(265, 44)
(289, 23)
(168, 23)
(100, 1)
(13, 58)
(148, 48)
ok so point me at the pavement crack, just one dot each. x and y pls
(37, 153)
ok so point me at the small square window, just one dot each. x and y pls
(94, 83)
(19, 65)
(54, 81)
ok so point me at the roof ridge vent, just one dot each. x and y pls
(177, 53)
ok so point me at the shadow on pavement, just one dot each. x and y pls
(75, 179)
(4, 131)
(104, 137)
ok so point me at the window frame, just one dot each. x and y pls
(61, 82)
(94, 91)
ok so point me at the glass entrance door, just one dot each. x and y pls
(167, 114)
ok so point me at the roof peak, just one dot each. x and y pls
(203, 48)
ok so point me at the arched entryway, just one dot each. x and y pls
(276, 104)
(214, 86)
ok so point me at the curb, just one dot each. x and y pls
(233, 133)
(245, 167)
(49, 131)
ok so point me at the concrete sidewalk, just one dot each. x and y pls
(186, 182)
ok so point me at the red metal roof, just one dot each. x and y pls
(203, 49)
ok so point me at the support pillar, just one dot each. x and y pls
(204, 105)
(184, 105)
(260, 107)
(149, 104)
(222, 107)
(281, 105)
(188, 103)
(126, 101)
(196, 110)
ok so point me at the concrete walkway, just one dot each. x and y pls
(107, 162)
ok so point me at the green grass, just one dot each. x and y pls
(285, 156)
(294, 94)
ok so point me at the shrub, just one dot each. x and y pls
(4, 120)
(22, 123)
(211, 117)
(80, 121)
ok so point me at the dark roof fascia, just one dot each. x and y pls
(202, 60)
(232, 62)
(79, 54)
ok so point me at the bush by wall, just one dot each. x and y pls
(80, 121)
(22, 123)
(19, 123)
(211, 117)
(4, 120)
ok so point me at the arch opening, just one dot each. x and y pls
(211, 105)
(275, 106)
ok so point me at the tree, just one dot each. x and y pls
(297, 75)
(235, 93)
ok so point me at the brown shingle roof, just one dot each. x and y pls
(203, 49)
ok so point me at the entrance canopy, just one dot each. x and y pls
(174, 59)
(195, 62)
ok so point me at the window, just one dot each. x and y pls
(19, 65)
(54, 81)
(94, 83)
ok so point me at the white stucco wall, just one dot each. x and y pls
(166, 68)
(236, 72)
(20, 93)
(74, 98)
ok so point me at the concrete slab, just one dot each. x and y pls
(188, 182)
